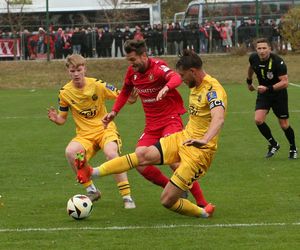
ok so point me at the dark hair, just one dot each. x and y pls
(262, 40)
(189, 59)
(137, 46)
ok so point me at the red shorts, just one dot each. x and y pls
(150, 137)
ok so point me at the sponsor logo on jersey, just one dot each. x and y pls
(89, 113)
(94, 97)
(193, 110)
(134, 77)
(211, 95)
(147, 91)
(149, 100)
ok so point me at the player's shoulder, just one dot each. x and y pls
(102, 84)
(276, 58)
(66, 88)
(253, 56)
(212, 84)
(160, 65)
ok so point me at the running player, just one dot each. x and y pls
(193, 147)
(163, 106)
(271, 72)
(85, 97)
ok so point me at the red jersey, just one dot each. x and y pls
(148, 84)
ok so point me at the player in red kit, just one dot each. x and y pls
(163, 106)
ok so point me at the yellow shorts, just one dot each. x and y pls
(194, 162)
(95, 141)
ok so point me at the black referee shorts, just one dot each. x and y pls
(277, 101)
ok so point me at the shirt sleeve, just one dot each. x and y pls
(63, 105)
(172, 78)
(124, 94)
(215, 98)
(110, 91)
(281, 68)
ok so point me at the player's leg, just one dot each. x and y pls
(193, 164)
(151, 173)
(111, 151)
(195, 190)
(71, 150)
(171, 199)
(260, 117)
(280, 109)
(150, 155)
(263, 105)
(290, 135)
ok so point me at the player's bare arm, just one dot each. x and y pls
(133, 96)
(162, 93)
(282, 84)
(55, 117)
(250, 85)
(108, 118)
(217, 121)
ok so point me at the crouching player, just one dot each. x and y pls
(194, 147)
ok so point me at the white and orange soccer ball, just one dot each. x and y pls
(79, 207)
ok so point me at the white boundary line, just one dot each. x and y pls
(119, 228)
(294, 84)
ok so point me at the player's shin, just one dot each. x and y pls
(185, 207)
(118, 165)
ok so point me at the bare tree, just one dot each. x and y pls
(15, 14)
(15, 18)
(116, 14)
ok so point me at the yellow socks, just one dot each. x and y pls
(185, 207)
(118, 165)
(124, 188)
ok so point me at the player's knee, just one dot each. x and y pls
(143, 155)
(111, 155)
(258, 121)
(70, 153)
(167, 200)
(284, 124)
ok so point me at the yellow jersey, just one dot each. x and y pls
(202, 99)
(87, 104)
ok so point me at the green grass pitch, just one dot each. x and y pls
(257, 199)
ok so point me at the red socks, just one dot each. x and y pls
(154, 175)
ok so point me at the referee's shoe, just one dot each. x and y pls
(272, 149)
(293, 154)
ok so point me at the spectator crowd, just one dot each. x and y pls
(171, 39)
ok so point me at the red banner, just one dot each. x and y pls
(7, 48)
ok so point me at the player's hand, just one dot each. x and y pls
(52, 114)
(162, 93)
(262, 89)
(251, 87)
(195, 143)
(133, 96)
(108, 118)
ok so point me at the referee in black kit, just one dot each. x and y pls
(271, 72)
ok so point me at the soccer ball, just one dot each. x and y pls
(79, 207)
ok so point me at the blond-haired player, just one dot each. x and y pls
(194, 147)
(85, 98)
